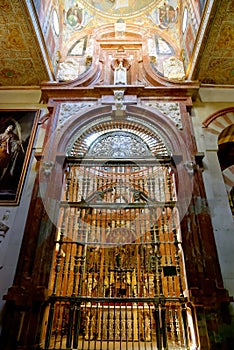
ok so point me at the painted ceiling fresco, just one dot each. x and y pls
(22, 62)
(82, 13)
(119, 7)
(64, 23)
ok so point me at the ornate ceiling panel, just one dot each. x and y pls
(24, 58)
(216, 63)
(21, 58)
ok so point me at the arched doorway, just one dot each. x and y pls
(226, 156)
(118, 279)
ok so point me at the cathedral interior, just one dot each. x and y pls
(117, 174)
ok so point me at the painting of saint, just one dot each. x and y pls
(75, 16)
(167, 15)
(16, 132)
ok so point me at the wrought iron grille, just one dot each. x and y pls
(118, 280)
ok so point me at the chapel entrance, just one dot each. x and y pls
(118, 278)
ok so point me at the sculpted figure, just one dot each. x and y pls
(174, 69)
(120, 75)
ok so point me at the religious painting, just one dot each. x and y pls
(167, 15)
(78, 48)
(119, 7)
(163, 47)
(17, 131)
(75, 16)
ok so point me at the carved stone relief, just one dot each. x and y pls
(69, 109)
(3, 229)
(119, 145)
(173, 69)
(119, 99)
(170, 109)
(69, 69)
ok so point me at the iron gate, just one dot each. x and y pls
(118, 276)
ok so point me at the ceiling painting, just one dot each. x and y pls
(157, 12)
(76, 15)
(119, 7)
(165, 15)
(82, 15)
(25, 61)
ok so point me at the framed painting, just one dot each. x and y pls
(17, 131)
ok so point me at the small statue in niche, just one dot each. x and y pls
(120, 74)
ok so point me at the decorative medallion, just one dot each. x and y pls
(166, 14)
(74, 16)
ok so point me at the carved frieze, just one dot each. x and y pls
(170, 109)
(68, 109)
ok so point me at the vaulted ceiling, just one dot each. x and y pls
(26, 61)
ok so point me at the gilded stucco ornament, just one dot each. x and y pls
(14, 40)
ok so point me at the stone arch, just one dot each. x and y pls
(218, 121)
(219, 126)
(147, 120)
(91, 116)
(228, 175)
